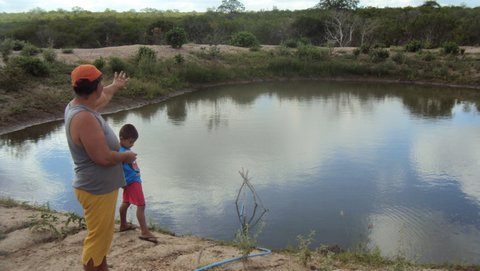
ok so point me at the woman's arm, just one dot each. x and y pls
(119, 82)
(86, 131)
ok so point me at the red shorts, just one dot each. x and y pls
(133, 194)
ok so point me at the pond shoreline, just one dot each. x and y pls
(119, 104)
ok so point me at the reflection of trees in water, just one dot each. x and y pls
(177, 110)
(19, 143)
(147, 113)
(215, 120)
(422, 101)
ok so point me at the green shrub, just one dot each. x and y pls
(399, 58)
(67, 51)
(365, 49)
(413, 46)
(49, 55)
(304, 41)
(450, 47)
(31, 65)
(378, 55)
(310, 52)
(117, 64)
(356, 52)
(282, 51)
(145, 67)
(428, 56)
(11, 77)
(145, 52)
(18, 45)
(30, 50)
(255, 48)
(179, 59)
(99, 63)
(176, 37)
(290, 43)
(244, 39)
(6, 47)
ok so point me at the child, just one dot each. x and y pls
(132, 192)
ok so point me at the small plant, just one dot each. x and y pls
(451, 48)
(245, 241)
(356, 52)
(74, 218)
(378, 55)
(310, 52)
(255, 48)
(31, 65)
(244, 39)
(44, 224)
(18, 45)
(49, 55)
(250, 212)
(399, 58)
(304, 252)
(67, 51)
(29, 50)
(117, 64)
(6, 47)
(413, 46)
(365, 49)
(179, 59)
(99, 63)
(428, 56)
(176, 37)
(12, 77)
(145, 53)
(304, 41)
(290, 43)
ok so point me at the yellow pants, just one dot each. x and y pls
(99, 211)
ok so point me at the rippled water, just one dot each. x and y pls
(388, 166)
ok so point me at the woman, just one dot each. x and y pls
(98, 164)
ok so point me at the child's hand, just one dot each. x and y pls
(130, 156)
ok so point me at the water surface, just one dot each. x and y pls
(390, 166)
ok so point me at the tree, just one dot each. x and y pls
(431, 4)
(337, 4)
(176, 37)
(340, 27)
(231, 6)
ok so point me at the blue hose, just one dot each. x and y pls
(266, 252)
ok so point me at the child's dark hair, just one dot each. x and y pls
(85, 87)
(128, 131)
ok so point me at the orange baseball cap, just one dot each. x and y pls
(86, 71)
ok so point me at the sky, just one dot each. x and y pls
(11, 6)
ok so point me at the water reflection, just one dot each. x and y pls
(393, 165)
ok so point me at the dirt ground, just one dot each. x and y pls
(165, 51)
(24, 249)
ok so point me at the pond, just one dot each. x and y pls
(376, 165)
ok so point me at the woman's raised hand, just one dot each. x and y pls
(120, 80)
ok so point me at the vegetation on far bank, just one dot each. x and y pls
(430, 23)
(60, 225)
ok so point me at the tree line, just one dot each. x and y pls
(429, 24)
